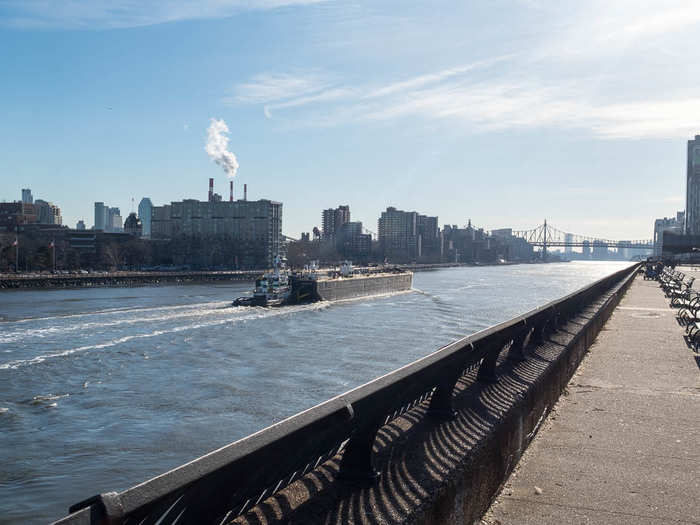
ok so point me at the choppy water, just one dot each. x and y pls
(104, 388)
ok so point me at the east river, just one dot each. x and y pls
(103, 388)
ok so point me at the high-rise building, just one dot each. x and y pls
(100, 216)
(114, 220)
(145, 207)
(27, 196)
(351, 242)
(623, 250)
(586, 250)
(47, 212)
(80, 225)
(398, 234)
(672, 224)
(516, 248)
(568, 239)
(332, 220)
(428, 237)
(600, 250)
(107, 219)
(692, 190)
(252, 229)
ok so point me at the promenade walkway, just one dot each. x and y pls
(623, 445)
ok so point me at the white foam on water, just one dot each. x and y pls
(369, 297)
(52, 331)
(47, 397)
(109, 311)
(4, 409)
(253, 314)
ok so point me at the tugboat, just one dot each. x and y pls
(272, 289)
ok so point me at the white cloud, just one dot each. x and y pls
(483, 105)
(271, 87)
(433, 78)
(92, 14)
(614, 70)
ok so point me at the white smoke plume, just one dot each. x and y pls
(217, 147)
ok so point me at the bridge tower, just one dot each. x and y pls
(544, 242)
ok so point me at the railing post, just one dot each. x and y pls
(517, 347)
(538, 336)
(441, 406)
(487, 369)
(357, 465)
(555, 319)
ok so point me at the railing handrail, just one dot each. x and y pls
(233, 478)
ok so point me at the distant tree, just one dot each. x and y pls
(113, 255)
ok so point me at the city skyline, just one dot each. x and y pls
(145, 203)
(502, 113)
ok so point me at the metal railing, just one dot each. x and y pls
(227, 482)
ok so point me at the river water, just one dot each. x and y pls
(103, 388)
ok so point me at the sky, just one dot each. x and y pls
(504, 112)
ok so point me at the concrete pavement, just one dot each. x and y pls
(623, 444)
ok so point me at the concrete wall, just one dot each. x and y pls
(472, 490)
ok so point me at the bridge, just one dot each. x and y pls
(546, 236)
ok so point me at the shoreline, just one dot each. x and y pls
(132, 279)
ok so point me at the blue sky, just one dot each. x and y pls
(505, 112)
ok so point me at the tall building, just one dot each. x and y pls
(568, 239)
(398, 234)
(429, 241)
(27, 196)
(107, 219)
(113, 222)
(145, 207)
(100, 216)
(252, 230)
(47, 212)
(516, 248)
(600, 251)
(351, 242)
(623, 250)
(672, 224)
(80, 225)
(586, 250)
(332, 220)
(692, 190)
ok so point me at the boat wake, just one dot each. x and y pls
(235, 316)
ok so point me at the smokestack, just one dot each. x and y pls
(211, 190)
(230, 197)
(245, 192)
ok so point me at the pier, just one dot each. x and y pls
(430, 443)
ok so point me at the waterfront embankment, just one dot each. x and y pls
(622, 445)
(154, 278)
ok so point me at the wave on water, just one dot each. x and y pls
(51, 331)
(368, 297)
(248, 315)
(108, 311)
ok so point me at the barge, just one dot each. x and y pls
(312, 285)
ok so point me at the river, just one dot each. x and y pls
(103, 388)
